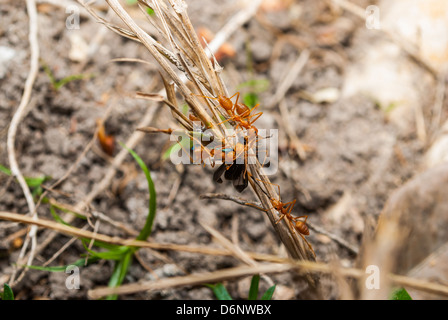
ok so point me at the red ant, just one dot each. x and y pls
(238, 111)
(285, 209)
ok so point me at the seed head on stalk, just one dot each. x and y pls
(184, 61)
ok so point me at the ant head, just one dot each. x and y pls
(276, 203)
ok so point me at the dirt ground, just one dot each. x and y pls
(355, 155)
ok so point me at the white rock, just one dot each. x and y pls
(421, 22)
(79, 48)
(6, 55)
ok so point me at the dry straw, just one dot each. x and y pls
(188, 69)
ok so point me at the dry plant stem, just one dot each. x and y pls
(149, 43)
(232, 247)
(438, 104)
(177, 114)
(224, 196)
(378, 252)
(257, 205)
(19, 114)
(194, 279)
(63, 248)
(282, 263)
(270, 268)
(237, 21)
(296, 246)
(59, 181)
(292, 74)
(105, 182)
(64, 4)
(353, 249)
(79, 233)
(295, 141)
(294, 243)
(420, 123)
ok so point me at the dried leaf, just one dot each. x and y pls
(107, 142)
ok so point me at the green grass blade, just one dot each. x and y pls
(58, 84)
(113, 254)
(108, 255)
(253, 290)
(105, 245)
(31, 182)
(5, 170)
(80, 216)
(269, 293)
(146, 231)
(120, 271)
(220, 291)
(78, 263)
(400, 294)
(36, 182)
(7, 293)
(57, 218)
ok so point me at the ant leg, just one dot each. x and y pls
(252, 110)
(297, 218)
(293, 229)
(257, 115)
(281, 218)
(236, 102)
(227, 120)
(238, 94)
(309, 245)
(237, 97)
(200, 95)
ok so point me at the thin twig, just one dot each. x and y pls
(18, 115)
(257, 205)
(292, 75)
(232, 247)
(296, 245)
(281, 264)
(107, 178)
(295, 141)
(238, 200)
(438, 103)
(242, 271)
(234, 24)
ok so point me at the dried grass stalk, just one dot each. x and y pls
(182, 56)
